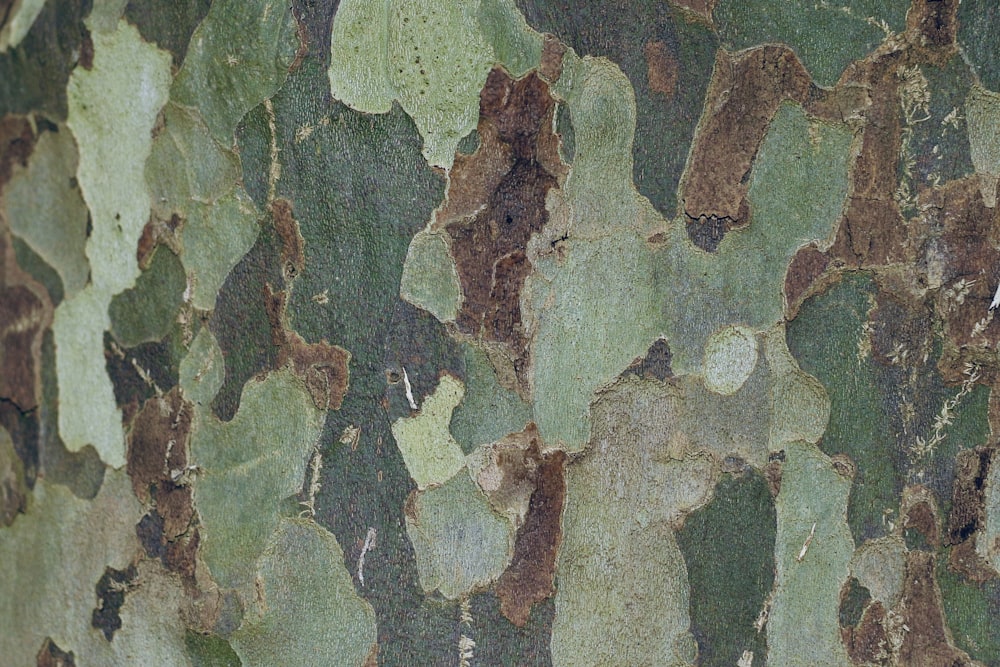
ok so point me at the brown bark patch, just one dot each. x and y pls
(969, 232)
(662, 68)
(50, 655)
(495, 203)
(17, 141)
(157, 232)
(925, 641)
(872, 232)
(742, 98)
(866, 643)
(920, 517)
(531, 574)
(932, 27)
(157, 444)
(806, 267)
(292, 244)
(324, 368)
(550, 66)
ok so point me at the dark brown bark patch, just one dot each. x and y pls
(50, 655)
(662, 68)
(925, 641)
(971, 264)
(157, 232)
(866, 643)
(157, 444)
(495, 203)
(550, 66)
(920, 517)
(111, 590)
(531, 574)
(656, 363)
(972, 466)
(872, 232)
(932, 28)
(743, 97)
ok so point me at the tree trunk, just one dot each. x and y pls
(499, 332)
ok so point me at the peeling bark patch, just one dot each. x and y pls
(662, 67)
(50, 655)
(504, 183)
(22, 316)
(743, 97)
(872, 232)
(656, 363)
(530, 576)
(111, 590)
(925, 641)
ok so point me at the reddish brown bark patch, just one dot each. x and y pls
(17, 141)
(925, 643)
(866, 643)
(550, 66)
(872, 231)
(292, 244)
(50, 655)
(25, 314)
(157, 232)
(157, 444)
(805, 269)
(530, 576)
(742, 98)
(495, 203)
(969, 232)
(932, 27)
(662, 68)
(324, 368)
(920, 517)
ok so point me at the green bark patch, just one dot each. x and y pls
(982, 109)
(488, 411)
(979, 41)
(251, 463)
(45, 209)
(813, 548)
(460, 543)
(308, 612)
(829, 339)
(432, 456)
(666, 55)
(33, 74)
(170, 25)
(145, 313)
(728, 547)
(210, 651)
(825, 37)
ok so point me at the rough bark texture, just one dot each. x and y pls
(500, 332)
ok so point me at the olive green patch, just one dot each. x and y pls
(826, 37)
(488, 411)
(20, 16)
(429, 279)
(145, 313)
(238, 57)
(982, 110)
(45, 209)
(728, 547)
(460, 543)
(979, 40)
(432, 456)
(202, 370)
(210, 651)
(308, 612)
(250, 464)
